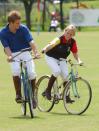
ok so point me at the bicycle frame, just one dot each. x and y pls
(76, 93)
(25, 80)
(27, 87)
(72, 77)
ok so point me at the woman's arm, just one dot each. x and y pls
(52, 44)
(77, 58)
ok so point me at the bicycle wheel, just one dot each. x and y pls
(30, 99)
(23, 108)
(80, 92)
(44, 104)
(23, 91)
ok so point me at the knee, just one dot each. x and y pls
(65, 77)
(57, 73)
(32, 75)
(16, 73)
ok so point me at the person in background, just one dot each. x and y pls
(15, 37)
(56, 53)
(53, 25)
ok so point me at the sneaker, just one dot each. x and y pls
(69, 100)
(47, 94)
(18, 99)
(34, 103)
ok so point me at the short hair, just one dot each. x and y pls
(13, 16)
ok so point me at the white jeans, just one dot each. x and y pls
(15, 66)
(58, 67)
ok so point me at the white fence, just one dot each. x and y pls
(84, 17)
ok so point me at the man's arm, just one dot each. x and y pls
(34, 49)
(8, 53)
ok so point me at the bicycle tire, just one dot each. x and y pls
(23, 92)
(44, 104)
(23, 108)
(30, 99)
(82, 100)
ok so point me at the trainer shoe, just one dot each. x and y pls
(47, 94)
(69, 100)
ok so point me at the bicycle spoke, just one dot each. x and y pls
(82, 98)
(43, 103)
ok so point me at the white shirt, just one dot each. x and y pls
(54, 23)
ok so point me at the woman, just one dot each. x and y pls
(57, 50)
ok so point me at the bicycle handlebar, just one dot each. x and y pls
(23, 50)
(72, 64)
(25, 60)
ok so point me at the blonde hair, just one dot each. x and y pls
(70, 27)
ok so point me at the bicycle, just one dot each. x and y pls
(26, 89)
(78, 88)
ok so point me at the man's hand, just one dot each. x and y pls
(37, 56)
(9, 59)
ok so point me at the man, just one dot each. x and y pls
(15, 37)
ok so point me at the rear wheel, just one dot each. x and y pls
(44, 104)
(81, 94)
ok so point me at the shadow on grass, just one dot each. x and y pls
(66, 114)
(26, 117)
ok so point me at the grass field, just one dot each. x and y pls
(58, 119)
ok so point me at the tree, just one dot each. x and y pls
(61, 14)
(4, 0)
(28, 8)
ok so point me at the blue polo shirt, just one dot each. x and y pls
(16, 41)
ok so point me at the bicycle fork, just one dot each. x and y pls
(74, 88)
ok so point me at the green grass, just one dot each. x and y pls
(58, 119)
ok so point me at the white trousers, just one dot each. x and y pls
(15, 66)
(57, 67)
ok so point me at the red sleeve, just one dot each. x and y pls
(74, 48)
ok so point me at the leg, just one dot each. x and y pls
(15, 67)
(64, 74)
(17, 85)
(50, 84)
(55, 29)
(33, 84)
(53, 64)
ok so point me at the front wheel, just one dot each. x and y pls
(79, 91)
(44, 104)
(30, 99)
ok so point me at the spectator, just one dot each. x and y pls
(53, 25)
